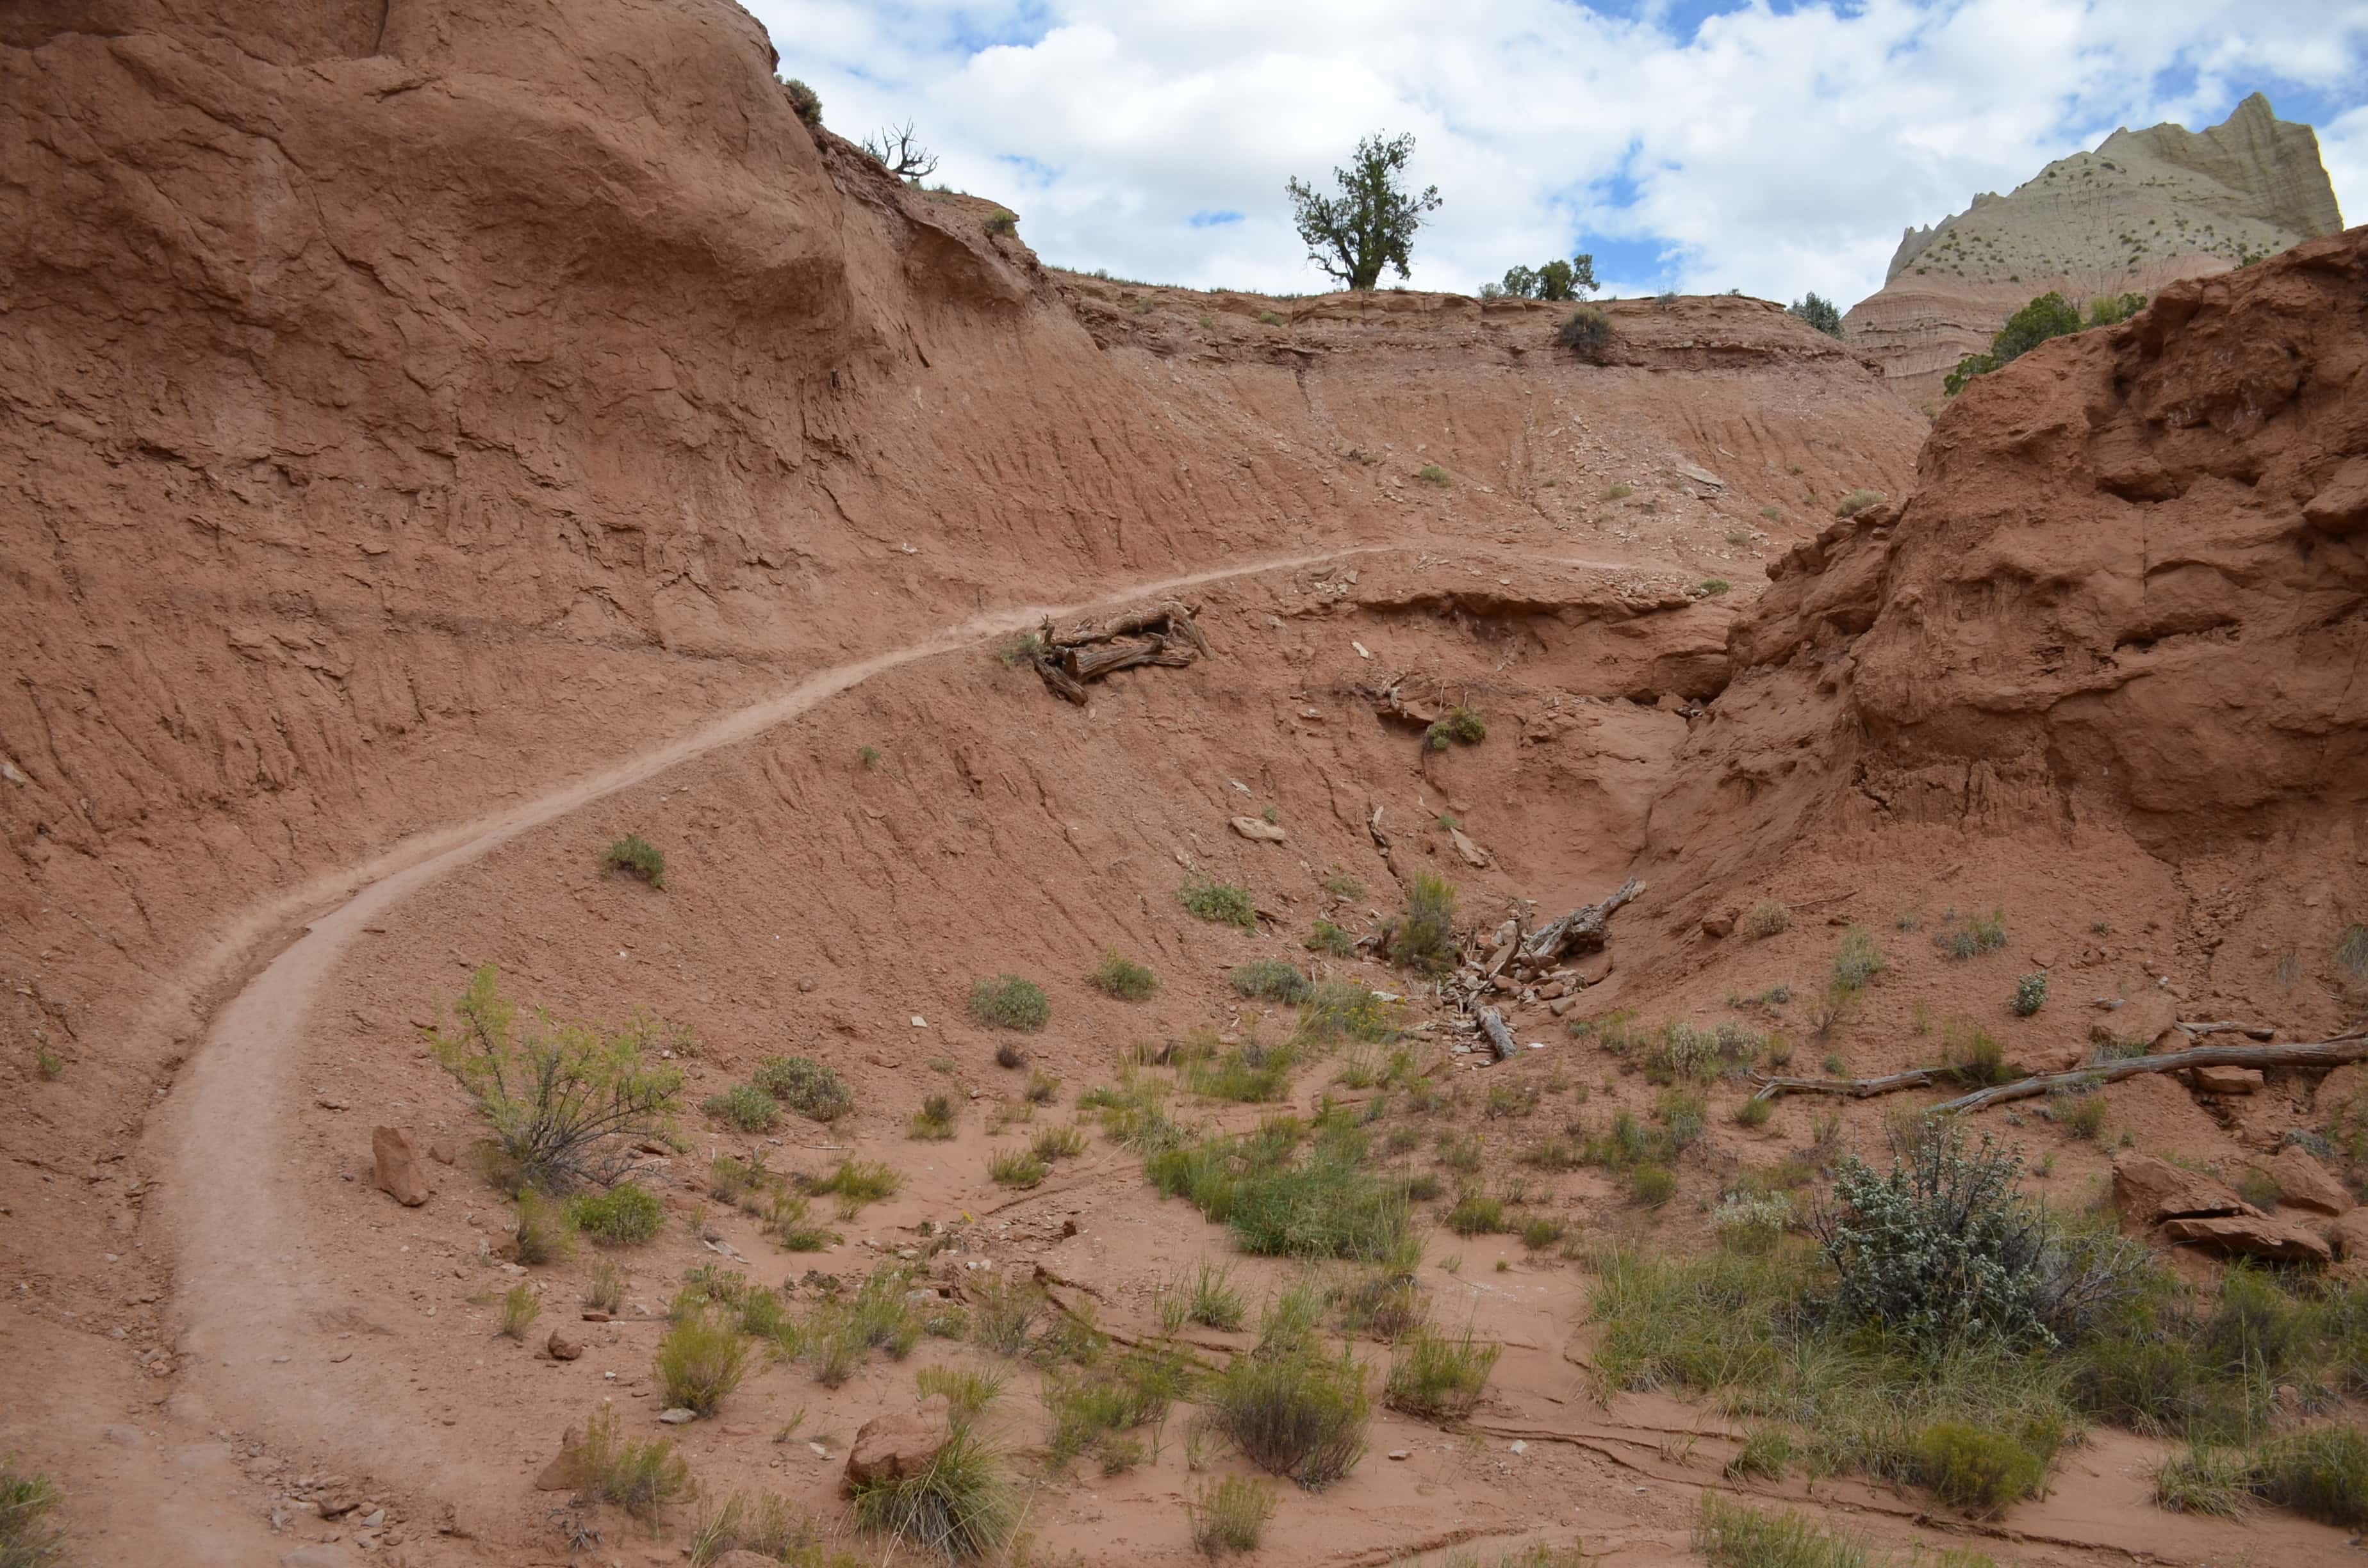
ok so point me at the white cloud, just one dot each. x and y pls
(1778, 152)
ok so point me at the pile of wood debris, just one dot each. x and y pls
(1069, 659)
(1526, 966)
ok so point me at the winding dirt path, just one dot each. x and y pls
(247, 1301)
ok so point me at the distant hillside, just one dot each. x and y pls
(2145, 208)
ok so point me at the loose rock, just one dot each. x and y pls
(1260, 832)
(2226, 1079)
(2304, 1182)
(2250, 1235)
(894, 1448)
(399, 1173)
(562, 1348)
(2150, 1190)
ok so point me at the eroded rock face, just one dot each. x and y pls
(2149, 1191)
(2145, 209)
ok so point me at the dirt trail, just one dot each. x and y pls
(245, 1300)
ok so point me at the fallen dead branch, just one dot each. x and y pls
(2326, 1053)
(1492, 1024)
(1584, 929)
(1069, 659)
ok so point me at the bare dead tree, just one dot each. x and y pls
(904, 157)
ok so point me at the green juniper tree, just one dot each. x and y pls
(1372, 222)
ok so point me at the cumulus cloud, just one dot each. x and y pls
(1695, 144)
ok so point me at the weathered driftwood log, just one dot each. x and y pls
(1582, 930)
(1856, 1088)
(1492, 1024)
(2333, 1053)
(1092, 664)
(2330, 1053)
(1059, 680)
(2250, 1031)
(1169, 615)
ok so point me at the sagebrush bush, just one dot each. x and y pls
(2030, 994)
(1271, 980)
(1124, 978)
(565, 1101)
(1461, 725)
(1768, 918)
(1220, 901)
(804, 102)
(636, 857)
(1586, 332)
(1010, 1002)
(1229, 1514)
(806, 1086)
(701, 1360)
(1330, 940)
(642, 1476)
(1857, 501)
(1943, 1248)
(626, 1215)
(1860, 959)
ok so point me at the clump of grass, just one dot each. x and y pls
(1021, 650)
(1283, 1203)
(934, 1122)
(1271, 980)
(1476, 1213)
(544, 1234)
(1212, 1301)
(1040, 1090)
(2321, 1473)
(1729, 1535)
(520, 1307)
(604, 1291)
(2079, 1111)
(1229, 1514)
(1001, 222)
(787, 1216)
(1342, 885)
(1004, 1312)
(859, 1182)
(967, 1390)
(2351, 950)
(960, 1504)
(1017, 1167)
(1059, 1143)
(1750, 1223)
(838, 1333)
(1330, 940)
(1768, 918)
(1766, 1451)
(2030, 994)
(48, 1064)
(2205, 1480)
(1752, 1112)
(744, 1107)
(1122, 978)
(1714, 587)
(1980, 934)
(637, 857)
(2261, 1189)
(1431, 473)
(1220, 901)
(1618, 492)
(1652, 1185)
(757, 1522)
(1294, 1411)
(1008, 1002)
(1540, 1232)
(1439, 1377)
(626, 1215)
(27, 1538)
(1973, 1056)
(1109, 1396)
(806, 1086)
(1008, 1054)
(643, 1477)
(702, 1360)
(1423, 938)
(1857, 501)
(1463, 726)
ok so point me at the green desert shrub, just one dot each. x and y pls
(2030, 994)
(806, 1086)
(27, 1537)
(1860, 959)
(1586, 332)
(1768, 918)
(1423, 938)
(520, 1307)
(1461, 726)
(934, 1122)
(2321, 1473)
(1973, 1056)
(1857, 501)
(804, 102)
(1439, 1377)
(635, 856)
(544, 1232)
(1652, 1185)
(1017, 1167)
(1124, 978)
(1005, 1310)
(1325, 938)
(1229, 1514)
(641, 1476)
(1220, 901)
(1431, 473)
(1294, 1411)
(744, 1107)
(1002, 220)
(1476, 1213)
(702, 1360)
(1271, 980)
(858, 1182)
(626, 1215)
(761, 1523)
(960, 1504)
(1008, 1002)
(565, 1101)
(2205, 1480)
(1766, 1451)
(1982, 1470)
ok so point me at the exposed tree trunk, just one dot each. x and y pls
(1856, 1088)
(1492, 1024)
(2325, 1053)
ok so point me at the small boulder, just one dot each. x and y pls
(399, 1174)
(2250, 1235)
(894, 1448)
(1474, 856)
(1594, 968)
(1259, 832)
(559, 1347)
(444, 1152)
(568, 1471)
(2149, 1011)
(2149, 1191)
(1716, 927)
(2304, 1182)
(2226, 1079)
(679, 1416)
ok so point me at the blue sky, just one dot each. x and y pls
(1772, 145)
